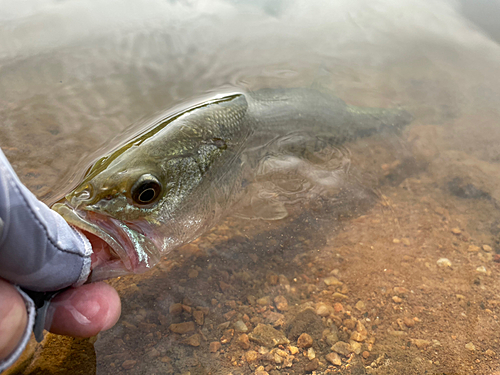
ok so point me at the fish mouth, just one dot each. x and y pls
(118, 248)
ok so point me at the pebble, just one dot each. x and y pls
(227, 336)
(338, 295)
(323, 310)
(264, 301)
(409, 322)
(239, 326)
(396, 240)
(473, 248)
(365, 354)
(244, 341)
(397, 299)
(175, 309)
(214, 346)
(198, 317)
(281, 303)
(360, 306)
(311, 354)
(267, 336)
(487, 248)
(421, 344)
(443, 262)
(355, 347)
(332, 280)
(357, 336)
(193, 340)
(128, 364)
(261, 372)
(341, 347)
(481, 269)
(193, 274)
(334, 359)
(405, 241)
(311, 366)
(470, 346)
(337, 307)
(490, 353)
(293, 349)
(182, 328)
(229, 315)
(304, 341)
(251, 356)
(456, 231)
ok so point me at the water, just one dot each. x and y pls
(78, 79)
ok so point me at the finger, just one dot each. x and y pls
(13, 318)
(84, 311)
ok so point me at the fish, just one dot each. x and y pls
(168, 185)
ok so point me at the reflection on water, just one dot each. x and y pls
(400, 278)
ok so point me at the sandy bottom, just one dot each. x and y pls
(406, 282)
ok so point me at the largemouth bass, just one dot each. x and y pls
(167, 186)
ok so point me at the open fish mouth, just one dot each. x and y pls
(119, 248)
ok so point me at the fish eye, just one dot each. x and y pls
(146, 189)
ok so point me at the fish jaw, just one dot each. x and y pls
(119, 249)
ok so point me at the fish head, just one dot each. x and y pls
(154, 193)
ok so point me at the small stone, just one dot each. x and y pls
(481, 269)
(187, 308)
(182, 328)
(355, 347)
(396, 240)
(193, 340)
(360, 306)
(311, 354)
(473, 248)
(409, 322)
(443, 262)
(470, 346)
(244, 341)
(421, 344)
(227, 336)
(229, 315)
(175, 309)
(332, 280)
(401, 291)
(193, 274)
(311, 366)
(365, 354)
(198, 317)
(341, 347)
(487, 248)
(356, 336)
(323, 310)
(128, 364)
(349, 323)
(337, 307)
(338, 295)
(224, 286)
(456, 231)
(304, 341)
(264, 301)
(165, 359)
(251, 356)
(267, 336)
(397, 299)
(405, 241)
(214, 346)
(334, 359)
(490, 353)
(239, 326)
(293, 349)
(281, 303)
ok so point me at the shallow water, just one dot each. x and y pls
(77, 80)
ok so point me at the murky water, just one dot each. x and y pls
(403, 279)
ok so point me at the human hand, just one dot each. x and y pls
(40, 252)
(81, 312)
